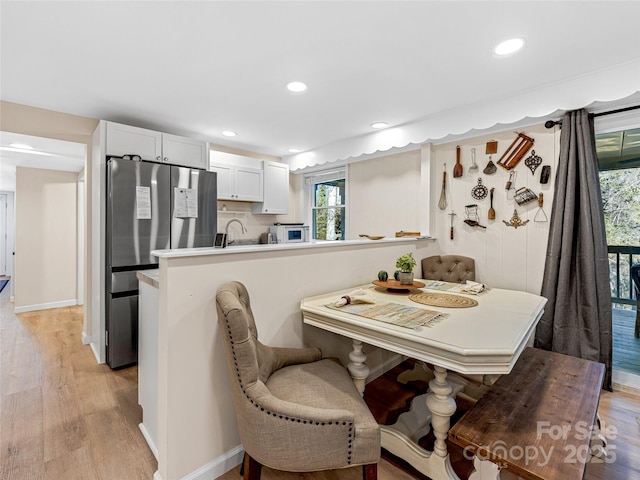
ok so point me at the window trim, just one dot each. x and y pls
(322, 176)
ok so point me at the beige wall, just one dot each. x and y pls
(46, 238)
(38, 122)
(382, 195)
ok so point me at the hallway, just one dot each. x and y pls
(62, 415)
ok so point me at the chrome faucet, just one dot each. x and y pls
(226, 229)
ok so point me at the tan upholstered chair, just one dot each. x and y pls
(296, 411)
(449, 268)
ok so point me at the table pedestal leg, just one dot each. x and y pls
(357, 368)
(442, 406)
(402, 442)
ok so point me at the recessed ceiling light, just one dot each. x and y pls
(296, 87)
(379, 125)
(22, 146)
(294, 150)
(229, 133)
(509, 46)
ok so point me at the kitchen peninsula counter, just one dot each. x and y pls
(232, 249)
(197, 434)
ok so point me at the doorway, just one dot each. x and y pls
(52, 157)
(619, 165)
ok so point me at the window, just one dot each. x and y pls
(326, 192)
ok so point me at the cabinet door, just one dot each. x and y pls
(128, 140)
(276, 189)
(183, 151)
(248, 184)
(225, 181)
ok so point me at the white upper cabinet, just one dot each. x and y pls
(128, 140)
(156, 146)
(239, 178)
(184, 151)
(276, 189)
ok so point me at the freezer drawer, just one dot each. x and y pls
(123, 282)
(122, 331)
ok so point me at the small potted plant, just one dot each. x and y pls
(406, 263)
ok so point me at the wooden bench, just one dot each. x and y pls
(535, 422)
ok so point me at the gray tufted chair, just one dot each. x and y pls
(296, 411)
(449, 268)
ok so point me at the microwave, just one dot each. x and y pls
(290, 233)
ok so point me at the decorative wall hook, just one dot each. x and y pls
(515, 221)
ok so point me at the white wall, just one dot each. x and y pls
(505, 257)
(46, 239)
(197, 425)
(382, 195)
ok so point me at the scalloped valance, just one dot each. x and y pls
(608, 88)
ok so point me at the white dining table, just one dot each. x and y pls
(485, 339)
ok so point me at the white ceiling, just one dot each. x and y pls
(198, 68)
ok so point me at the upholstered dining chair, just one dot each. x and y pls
(449, 268)
(635, 276)
(296, 411)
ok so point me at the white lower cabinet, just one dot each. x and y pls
(148, 363)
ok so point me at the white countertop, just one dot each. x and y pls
(150, 277)
(194, 252)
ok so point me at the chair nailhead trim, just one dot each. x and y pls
(276, 415)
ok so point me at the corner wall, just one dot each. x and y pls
(46, 239)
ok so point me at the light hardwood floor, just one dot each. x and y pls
(64, 417)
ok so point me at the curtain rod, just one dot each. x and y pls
(553, 123)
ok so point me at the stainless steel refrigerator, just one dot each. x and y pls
(150, 206)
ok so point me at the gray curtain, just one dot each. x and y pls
(577, 317)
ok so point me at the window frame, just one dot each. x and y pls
(324, 176)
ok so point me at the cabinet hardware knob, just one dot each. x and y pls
(166, 159)
(158, 158)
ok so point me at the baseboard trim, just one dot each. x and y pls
(626, 382)
(45, 306)
(86, 339)
(150, 442)
(96, 352)
(216, 467)
(381, 369)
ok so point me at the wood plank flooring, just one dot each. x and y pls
(64, 417)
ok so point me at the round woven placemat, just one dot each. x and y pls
(443, 300)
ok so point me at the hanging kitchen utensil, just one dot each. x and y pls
(491, 168)
(452, 214)
(524, 195)
(540, 216)
(491, 214)
(511, 183)
(533, 161)
(515, 221)
(479, 192)
(442, 204)
(474, 166)
(491, 148)
(457, 169)
(544, 174)
(516, 151)
(472, 216)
